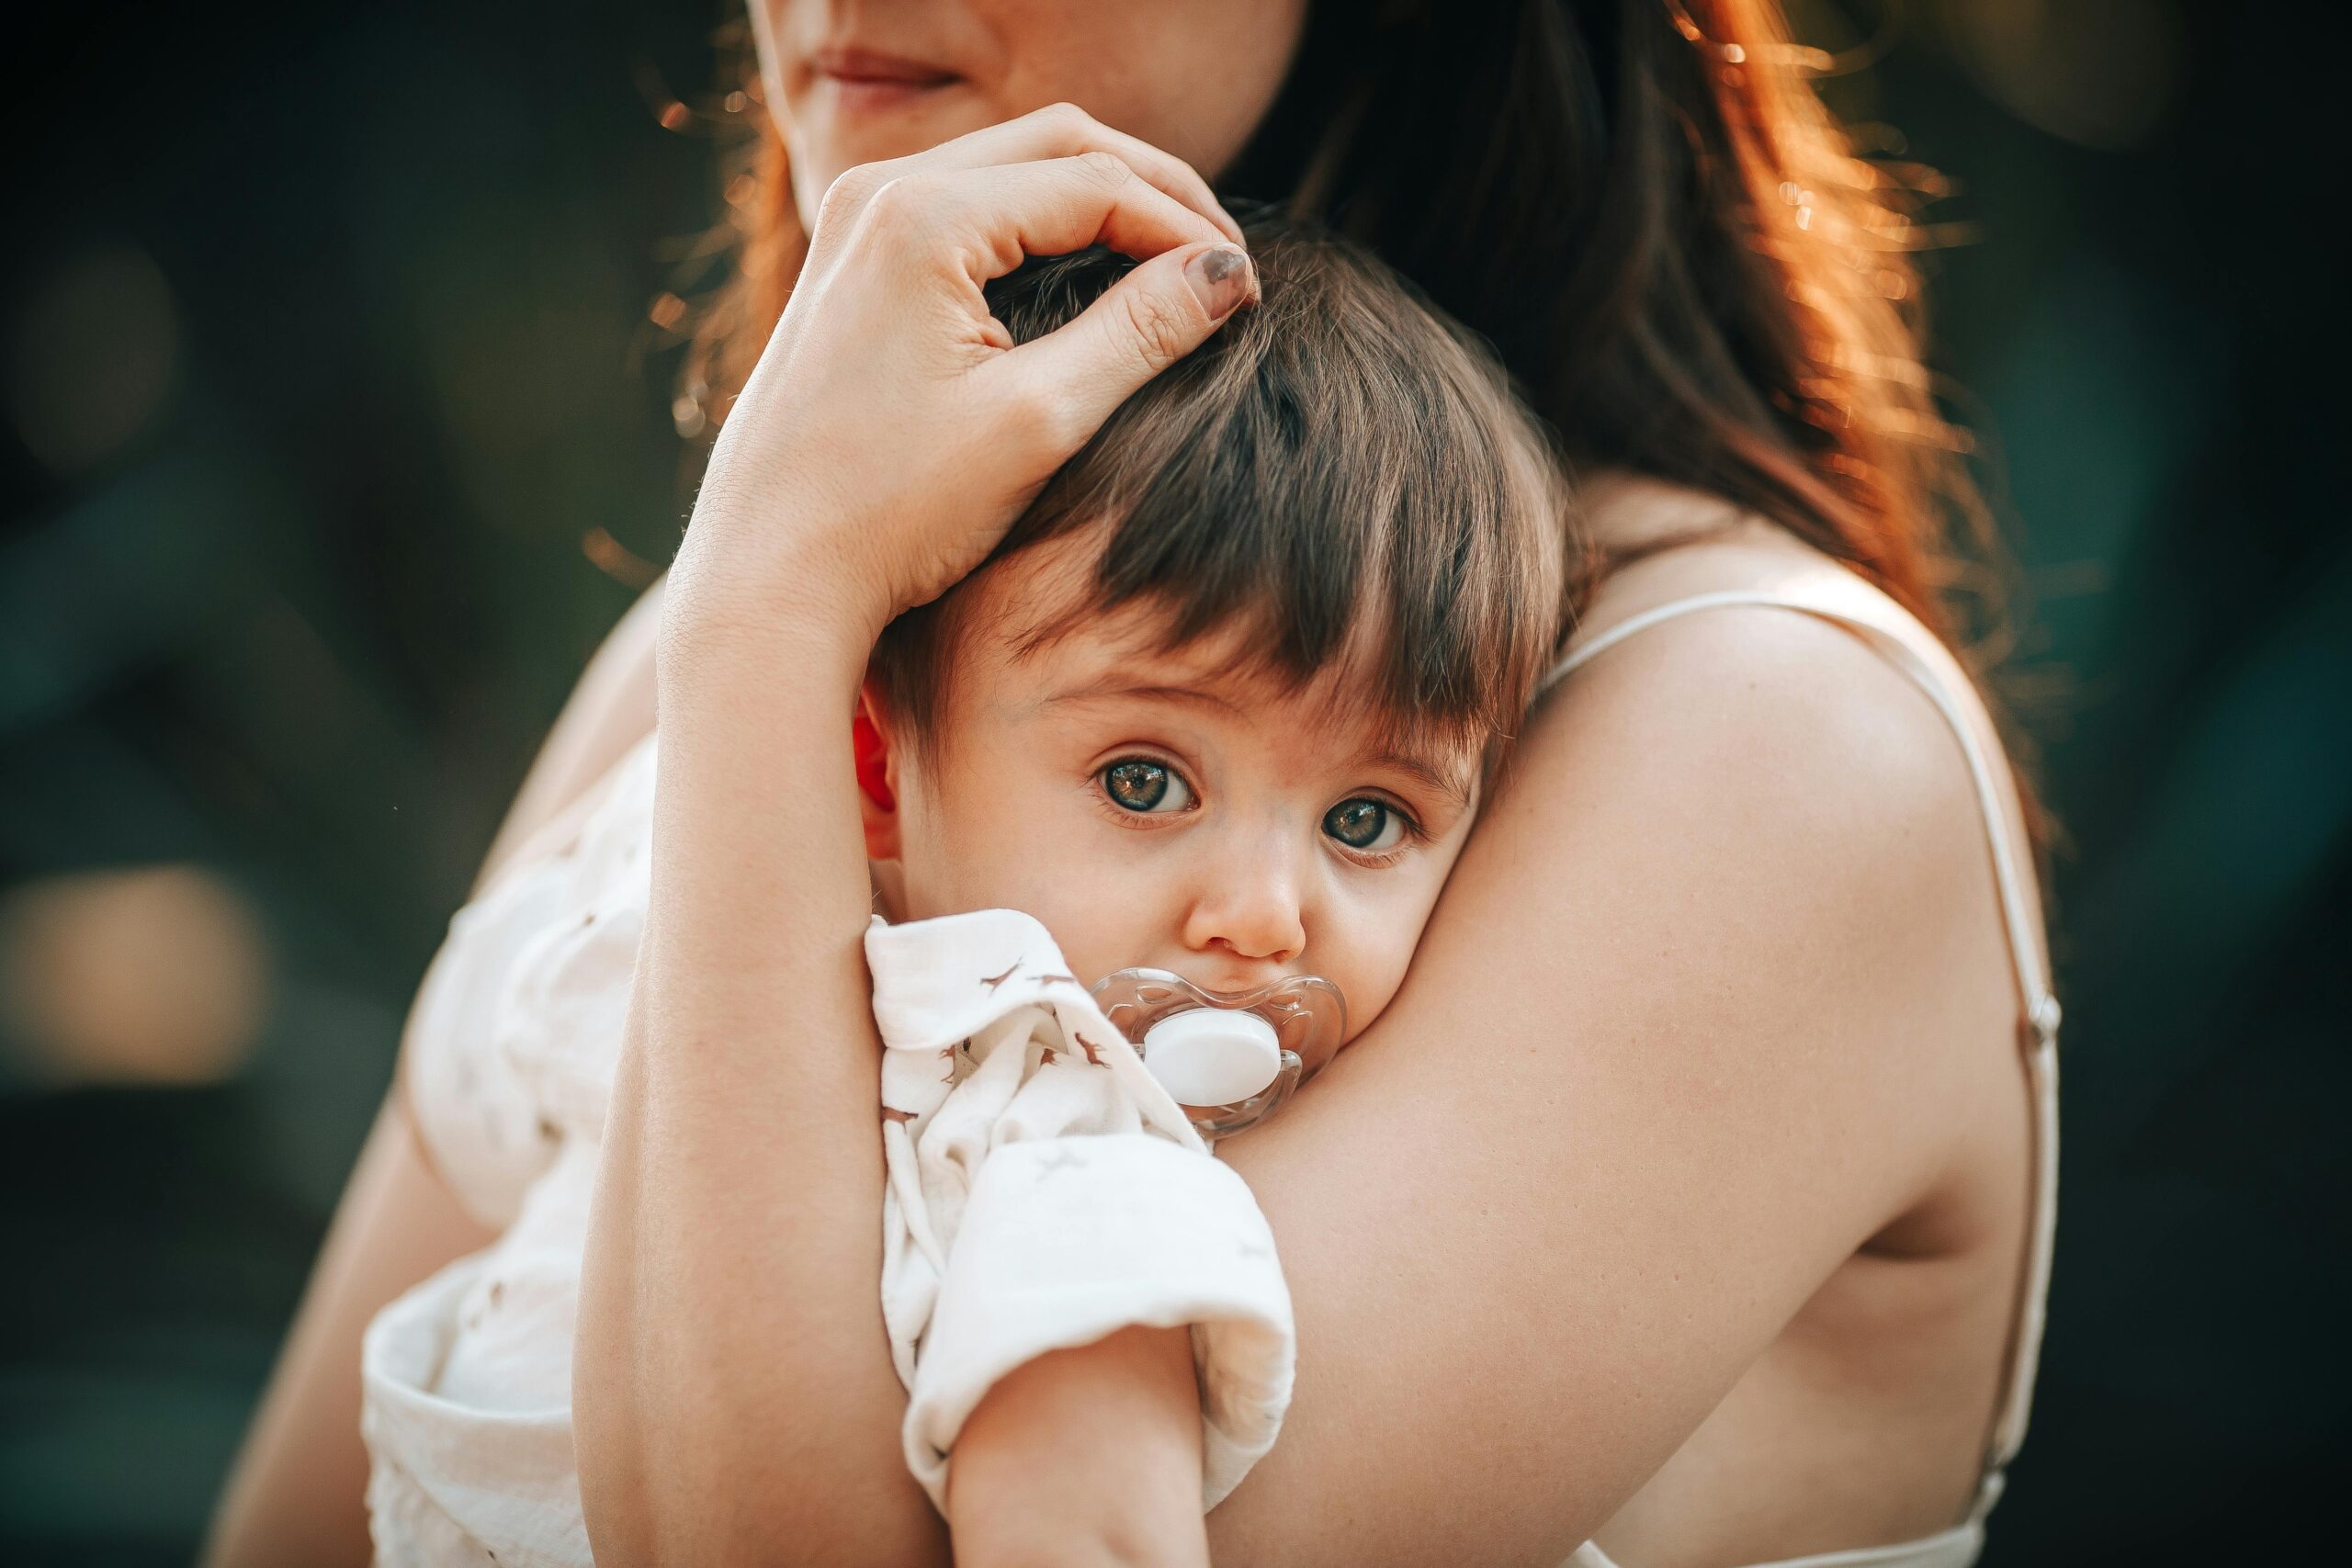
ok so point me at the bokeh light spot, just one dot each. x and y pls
(158, 975)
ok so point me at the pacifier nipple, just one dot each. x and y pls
(1212, 1057)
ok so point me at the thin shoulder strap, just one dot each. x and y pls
(2039, 1014)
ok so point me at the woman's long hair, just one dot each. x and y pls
(1647, 207)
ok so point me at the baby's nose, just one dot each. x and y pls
(1250, 914)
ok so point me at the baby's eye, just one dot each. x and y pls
(1365, 824)
(1142, 786)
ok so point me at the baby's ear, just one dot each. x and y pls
(875, 749)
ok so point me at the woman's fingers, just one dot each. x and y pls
(893, 412)
(1065, 130)
(997, 215)
(1151, 318)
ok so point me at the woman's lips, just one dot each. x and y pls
(864, 80)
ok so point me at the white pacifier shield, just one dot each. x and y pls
(1212, 1055)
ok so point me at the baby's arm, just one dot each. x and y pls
(1044, 1193)
(1086, 1456)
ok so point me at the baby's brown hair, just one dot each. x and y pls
(1339, 472)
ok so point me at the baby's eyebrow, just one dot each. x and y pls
(1451, 782)
(1114, 687)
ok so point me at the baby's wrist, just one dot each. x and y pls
(1090, 1455)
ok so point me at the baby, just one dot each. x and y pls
(1222, 703)
(1223, 700)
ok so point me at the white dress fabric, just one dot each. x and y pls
(467, 1379)
(1031, 1207)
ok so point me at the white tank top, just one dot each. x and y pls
(1870, 616)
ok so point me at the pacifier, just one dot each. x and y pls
(1229, 1058)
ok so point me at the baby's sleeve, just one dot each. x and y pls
(1044, 1191)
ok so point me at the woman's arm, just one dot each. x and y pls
(1674, 1046)
(296, 1495)
(733, 1398)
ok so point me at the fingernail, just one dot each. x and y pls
(1220, 279)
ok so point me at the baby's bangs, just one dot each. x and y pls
(1338, 475)
(1362, 669)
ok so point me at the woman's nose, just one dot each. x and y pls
(1248, 909)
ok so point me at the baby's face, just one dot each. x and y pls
(1159, 809)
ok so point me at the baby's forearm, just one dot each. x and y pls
(1090, 1456)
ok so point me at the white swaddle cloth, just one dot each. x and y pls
(1045, 1190)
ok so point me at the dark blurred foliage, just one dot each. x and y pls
(333, 443)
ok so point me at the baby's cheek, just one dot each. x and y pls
(1095, 933)
(1369, 979)
(1370, 962)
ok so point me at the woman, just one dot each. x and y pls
(1720, 1235)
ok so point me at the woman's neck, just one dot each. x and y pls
(1626, 512)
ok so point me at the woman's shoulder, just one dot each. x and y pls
(1801, 752)
(1773, 668)
(1765, 666)
(1681, 547)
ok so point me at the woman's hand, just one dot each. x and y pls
(891, 430)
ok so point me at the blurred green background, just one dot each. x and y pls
(336, 432)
